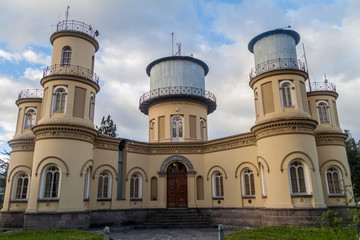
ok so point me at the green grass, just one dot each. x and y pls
(52, 235)
(303, 233)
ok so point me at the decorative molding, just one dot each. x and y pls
(22, 145)
(88, 163)
(137, 169)
(263, 159)
(290, 126)
(27, 171)
(52, 162)
(243, 163)
(176, 158)
(336, 161)
(65, 132)
(106, 167)
(297, 155)
(325, 139)
(213, 169)
(108, 143)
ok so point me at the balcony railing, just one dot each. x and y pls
(320, 86)
(276, 64)
(177, 91)
(30, 93)
(77, 26)
(70, 70)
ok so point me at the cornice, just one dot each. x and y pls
(67, 77)
(63, 131)
(108, 143)
(22, 145)
(326, 139)
(243, 140)
(281, 127)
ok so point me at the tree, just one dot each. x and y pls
(107, 127)
(4, 165)
(353, 155)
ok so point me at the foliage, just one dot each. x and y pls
(107, 127)
(353, 155)
(330, 219)
(290, 232)
(53, 234)
(4, 165)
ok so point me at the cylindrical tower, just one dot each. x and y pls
(65, 133)
(177, 103)
(284, 129)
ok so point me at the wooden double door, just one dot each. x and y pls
(177, 186)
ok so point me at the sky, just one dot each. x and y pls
(133, 33)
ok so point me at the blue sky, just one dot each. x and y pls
(134, 33)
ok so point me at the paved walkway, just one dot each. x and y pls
(161, 233)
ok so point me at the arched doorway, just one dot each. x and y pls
(176, 185)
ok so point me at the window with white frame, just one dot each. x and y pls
(217, 184)
(50, 183)
(92, 106)
(298, 177)
(104, 185)
(333, 181)
(263, 180)
(203, 129)
(59, 99)
(323, 111)
(29, 118)
(151, 130)
(248, 184)
(286, 93)
(87, 183)
(21, 186)
(135, 186)
(66, 56)
(177, 128)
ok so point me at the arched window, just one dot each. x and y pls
(21, 186)
(297, 177)
(286, 93)
(333, 181)
(151, 130)
(135, 186)
(104, 185)
(323, 111)
(177, 128)
(92, 106)
(66, 56)
(29, 118)
(203, 129)
(217, 183)
(59, 99)
(257, 112)
(248, 184)
(50, 183)
(87, 183)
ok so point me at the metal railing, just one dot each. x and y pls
(176, 90)
(276, 64)
(30, 93)
(77, 26)
(70, 70)
(320, 86)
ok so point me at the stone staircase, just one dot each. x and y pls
(176, 218)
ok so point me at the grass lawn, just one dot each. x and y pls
(53, 235)
(303, 233)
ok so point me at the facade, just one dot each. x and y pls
(288, 169)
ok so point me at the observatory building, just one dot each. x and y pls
(287, 170)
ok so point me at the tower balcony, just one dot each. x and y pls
(30, 93)
(71, 70)
(321, 87)
(277, 64)
(177, 92)
(77, 26)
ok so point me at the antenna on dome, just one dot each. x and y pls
(178, 53)
(67, 13)
(307, 68)
(284, 27)
(325, 79)
(172, 44)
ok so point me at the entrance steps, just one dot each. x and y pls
(176, 218)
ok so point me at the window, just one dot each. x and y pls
(286, 93)
(263, 181)
(297, 178)
(20, 191)
(59, 99)
(135, 186)
(92, 106)
(87, 184)
(323, 111)
(104, 185)
(151, 131)
(50, 183)
(256, 102)
(333, 180)
(29, 118)
(248, 185)
(66, 56)
(203, 129)
(177, 128)
(217, 183)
